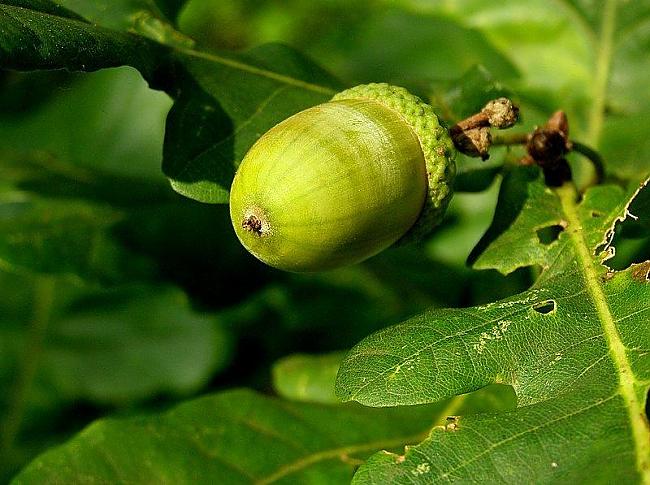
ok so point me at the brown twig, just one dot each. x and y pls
(547, 146)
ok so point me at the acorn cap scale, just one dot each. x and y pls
(340, 182)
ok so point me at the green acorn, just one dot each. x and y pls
(338, 183)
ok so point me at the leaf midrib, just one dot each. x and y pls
(334, 453)
(242, 66)
(224, 61)
(626, 379)
(325, 455)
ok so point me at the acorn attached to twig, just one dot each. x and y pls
(339, 182)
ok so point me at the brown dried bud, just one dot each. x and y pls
(559, 122)
(474, 143)
(472, 135)
(547, 146)
(558, 173)
(501, 113)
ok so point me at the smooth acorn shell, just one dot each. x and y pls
(329, 186)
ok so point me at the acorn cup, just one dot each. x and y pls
(340, 182)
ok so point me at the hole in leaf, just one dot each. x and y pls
(547, 235)
(545, 307)
(631, 241)
(596, 214)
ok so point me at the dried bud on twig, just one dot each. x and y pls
(501, 113)
(472, 135)
(474, 143)
(547, 147)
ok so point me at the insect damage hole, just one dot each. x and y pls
(549, 234)
(545, 307)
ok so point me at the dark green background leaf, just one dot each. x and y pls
(26, 43)
(63, 237)
(242, 437)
